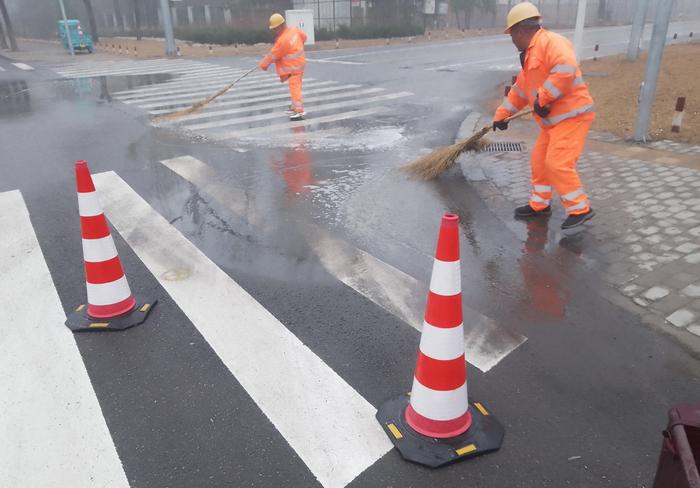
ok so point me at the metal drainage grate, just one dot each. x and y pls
(504, 147)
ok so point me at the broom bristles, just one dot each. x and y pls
(194, 108)
(437, 162)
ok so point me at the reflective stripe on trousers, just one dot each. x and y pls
(553, 163)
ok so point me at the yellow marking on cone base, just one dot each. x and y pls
(397, 433)
(80, 308)
(481, 408)
(145, 307)
(99, 325)
(466, 450)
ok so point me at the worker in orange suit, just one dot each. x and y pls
(289, 58)
(550, 81)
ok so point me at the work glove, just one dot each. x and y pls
(500, 125)
(540, 110)
(262, 66)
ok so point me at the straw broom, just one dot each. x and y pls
(199, 105)
(435, 163)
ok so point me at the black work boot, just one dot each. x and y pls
(527, 212)
(578, 219)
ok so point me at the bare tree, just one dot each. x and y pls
(3, 42)
(137, 19)
(91, 20)
(8, 26)
(118, 13)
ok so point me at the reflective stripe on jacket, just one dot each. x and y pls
(551, 72)
(287, 53)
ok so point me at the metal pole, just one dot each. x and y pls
(66, 28)
(656, 51)
(637, 30)
(578, 32)
(170, 48)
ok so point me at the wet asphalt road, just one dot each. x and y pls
(583, 401)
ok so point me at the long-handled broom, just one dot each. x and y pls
(435, 163)
(198, 106)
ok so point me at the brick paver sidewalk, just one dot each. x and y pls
(647, 226)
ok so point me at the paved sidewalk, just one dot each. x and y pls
(647, 227)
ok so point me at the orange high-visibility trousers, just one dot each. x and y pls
(553, 164)
(295, 92)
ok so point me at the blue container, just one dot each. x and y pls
(82, 41)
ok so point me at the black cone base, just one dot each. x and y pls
(80, 321)
(485, 435)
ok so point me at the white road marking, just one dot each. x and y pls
(197, 91)
(328, 424)
(52, 429)
(282, 95)
(24, 67)
(277, 105)
(333, 61)
(133, 69)
(269, 131)
(231, 95)
(316, 108)
(2, 69)
(188, 81)
(485, 343)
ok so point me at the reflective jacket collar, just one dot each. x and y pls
(525, 54)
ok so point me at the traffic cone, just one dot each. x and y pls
(111, 305)
(436, 424)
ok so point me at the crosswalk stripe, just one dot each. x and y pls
(316, 108)
(233, 94)
(197, 88)
(486, 344)
(283, 102)
(126, 72)
(52, 428)
(24, 67)
(133, 70)
(190, 80)
(328, 424)
(269, 131)
(77, 69)
(2, 69)
(326, 87)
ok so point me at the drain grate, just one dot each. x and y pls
(504, 147)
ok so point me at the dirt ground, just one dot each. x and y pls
(154, 48)
(615, 82)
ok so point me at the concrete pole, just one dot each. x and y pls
(8, 26)
(578, 31)
(637, 30)
(656, 51)
(170, 48)
(65, 26)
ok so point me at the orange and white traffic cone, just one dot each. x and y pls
(436, 424)
(111, 305)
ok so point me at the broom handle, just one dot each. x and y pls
(221, 92)
(518, 115)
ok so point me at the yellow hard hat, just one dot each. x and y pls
(276, 20)
(520, 12)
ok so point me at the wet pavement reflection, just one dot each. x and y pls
(14, 97)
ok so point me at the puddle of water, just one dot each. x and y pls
(14, 97)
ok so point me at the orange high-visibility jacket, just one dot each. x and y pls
(550, 70)
(287, 53)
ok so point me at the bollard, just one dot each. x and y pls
(429, 35)
(675, 36)
(178, 51)
(136, 54)
(462, 33)
(120, 49)
(691, 35)
(211, 50)
(595, 56)
(410, 39)
(447, 34)
(337, 44)
(236, 48)
(126, 50)
(387, 41)
(678, 115)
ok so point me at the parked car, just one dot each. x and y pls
(82, 41)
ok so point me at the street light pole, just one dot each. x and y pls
(66, 28)
(637, 30)
(170, 48)
(578, 32)
(656, 51)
